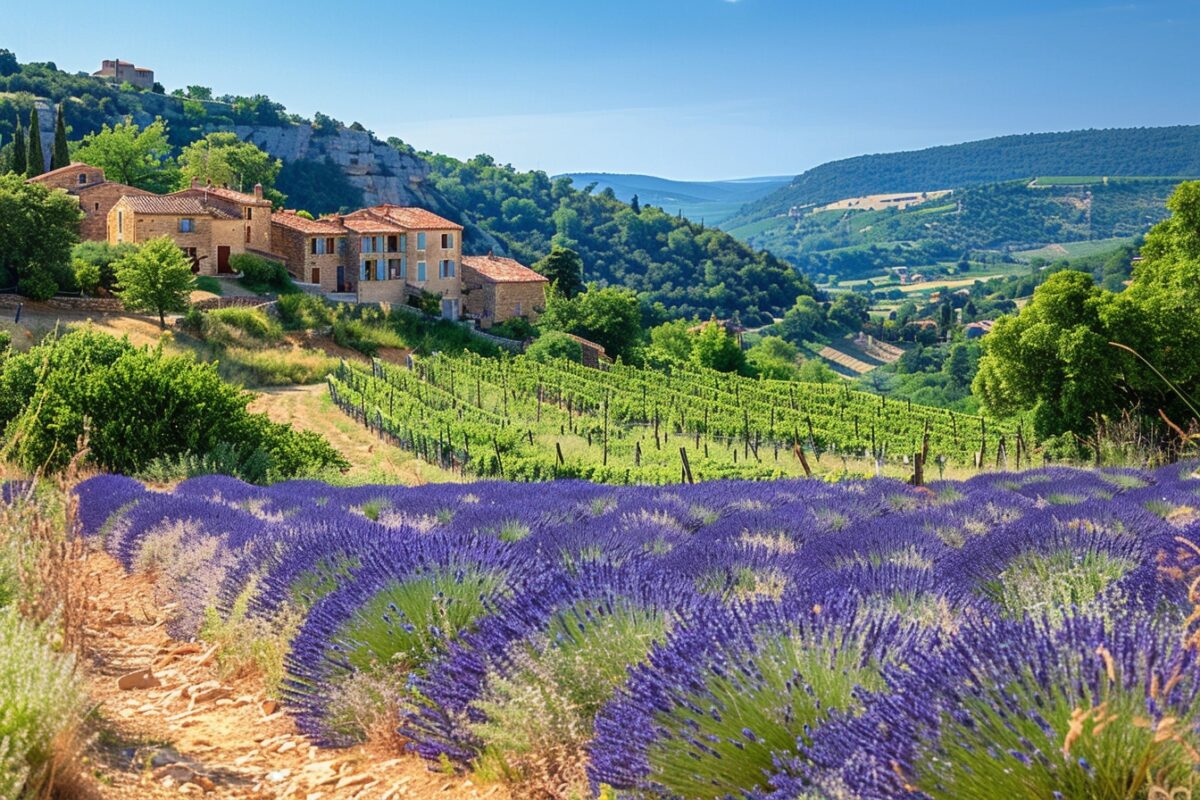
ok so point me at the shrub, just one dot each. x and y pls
(554, 345)
(38, 286)
(104, 257)
(248, 327)
(302, 311)
(517, 328)
(366, 337)
(207, 283)
(87, 276)
(262, 274)
(41, 705)
(275, 367)
(140, 405)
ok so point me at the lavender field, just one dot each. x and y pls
(1015, 635)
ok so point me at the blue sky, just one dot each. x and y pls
(689, 89)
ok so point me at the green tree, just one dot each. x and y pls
(37, 229)
(715, 348)
(671, 342)
(634, 205)
(960, 365)
(226, 160)
(8, 64)
(199, 93)
(802, 320)
(555, 345)
(609, 316)
(814, 370)
(60, 155)
(773, 357)
(849, 310)
(156, 277)
(35, 161)
(129, 154)
(20, 151)
(564, 268)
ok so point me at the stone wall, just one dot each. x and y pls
(102, 305)
(96, 201)
(297, 253)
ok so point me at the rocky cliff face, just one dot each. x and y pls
(384, 174)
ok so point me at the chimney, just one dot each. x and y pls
(491, 254)
(195, 182)
(208, 182)
(258, 190)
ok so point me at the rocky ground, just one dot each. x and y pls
(167, 725)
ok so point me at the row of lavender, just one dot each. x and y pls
(1012, 635)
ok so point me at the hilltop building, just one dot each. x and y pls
(125, 72)
(96, 195)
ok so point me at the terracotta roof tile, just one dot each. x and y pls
(74, 166)
(411, 217)
(369, 223)
(323, 226)
(179, 205)
(495, 269)
(241, 198)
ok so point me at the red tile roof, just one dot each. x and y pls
(369, 223)
(411, 218)
(74, 166)
(495, 269)
(241, 198)
(178, 205)
(325, 226)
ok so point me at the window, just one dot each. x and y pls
(97, 206)
(247, 234)
(312, 247)
(187, 225)
(329, 246)
(396, 268)
(421, 240)
(447, 241)
(446, 268)
(366, 271)
(518, 308)
(403, 242)
(392, 243)
(190, 252)
(120, 222)
(368, 244)
(249, 213)
(420, 270)
(82, 178)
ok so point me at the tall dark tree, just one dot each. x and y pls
(635, 205)
(36, 160)
(564, 268)
(19, 151)
(60, 156)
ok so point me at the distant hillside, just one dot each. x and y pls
(999, 217)
(1171, 151)
(710, 202)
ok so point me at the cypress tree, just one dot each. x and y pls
(60, 156)
(36, 163)
(19, 151)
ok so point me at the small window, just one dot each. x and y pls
(421, 270)
(447, 241)
(403, 242)
(366, 243)
(329, 246)
(247, 234)
(187, 225)
(82, 178)
(421, 241)
(312, 246)
(249, 213)
(392, 243)
(97, 206)
(518, 308)
(120, 222)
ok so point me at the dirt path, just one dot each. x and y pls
(374, 461)
(183, 731)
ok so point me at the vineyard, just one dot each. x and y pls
(520, 419)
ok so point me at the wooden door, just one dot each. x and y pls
(223, 267)
(316, 276)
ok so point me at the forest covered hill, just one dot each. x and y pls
(688, 268)
(1166, 151)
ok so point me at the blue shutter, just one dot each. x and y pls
(420, 270)
(362, 271)
(403, 266)
(450, 241)
(421, 241)
(380, 270)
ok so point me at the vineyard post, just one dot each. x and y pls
(1001, 453)
(637, 454)
(687, 468)
(799, 451)
(499, 461)
(558, 450)
(918, 478)
(604, 460)
(539, 400)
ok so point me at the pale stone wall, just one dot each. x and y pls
(96, 201)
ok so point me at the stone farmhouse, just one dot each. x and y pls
(498, 289)
(96, 195)
(209, 223)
